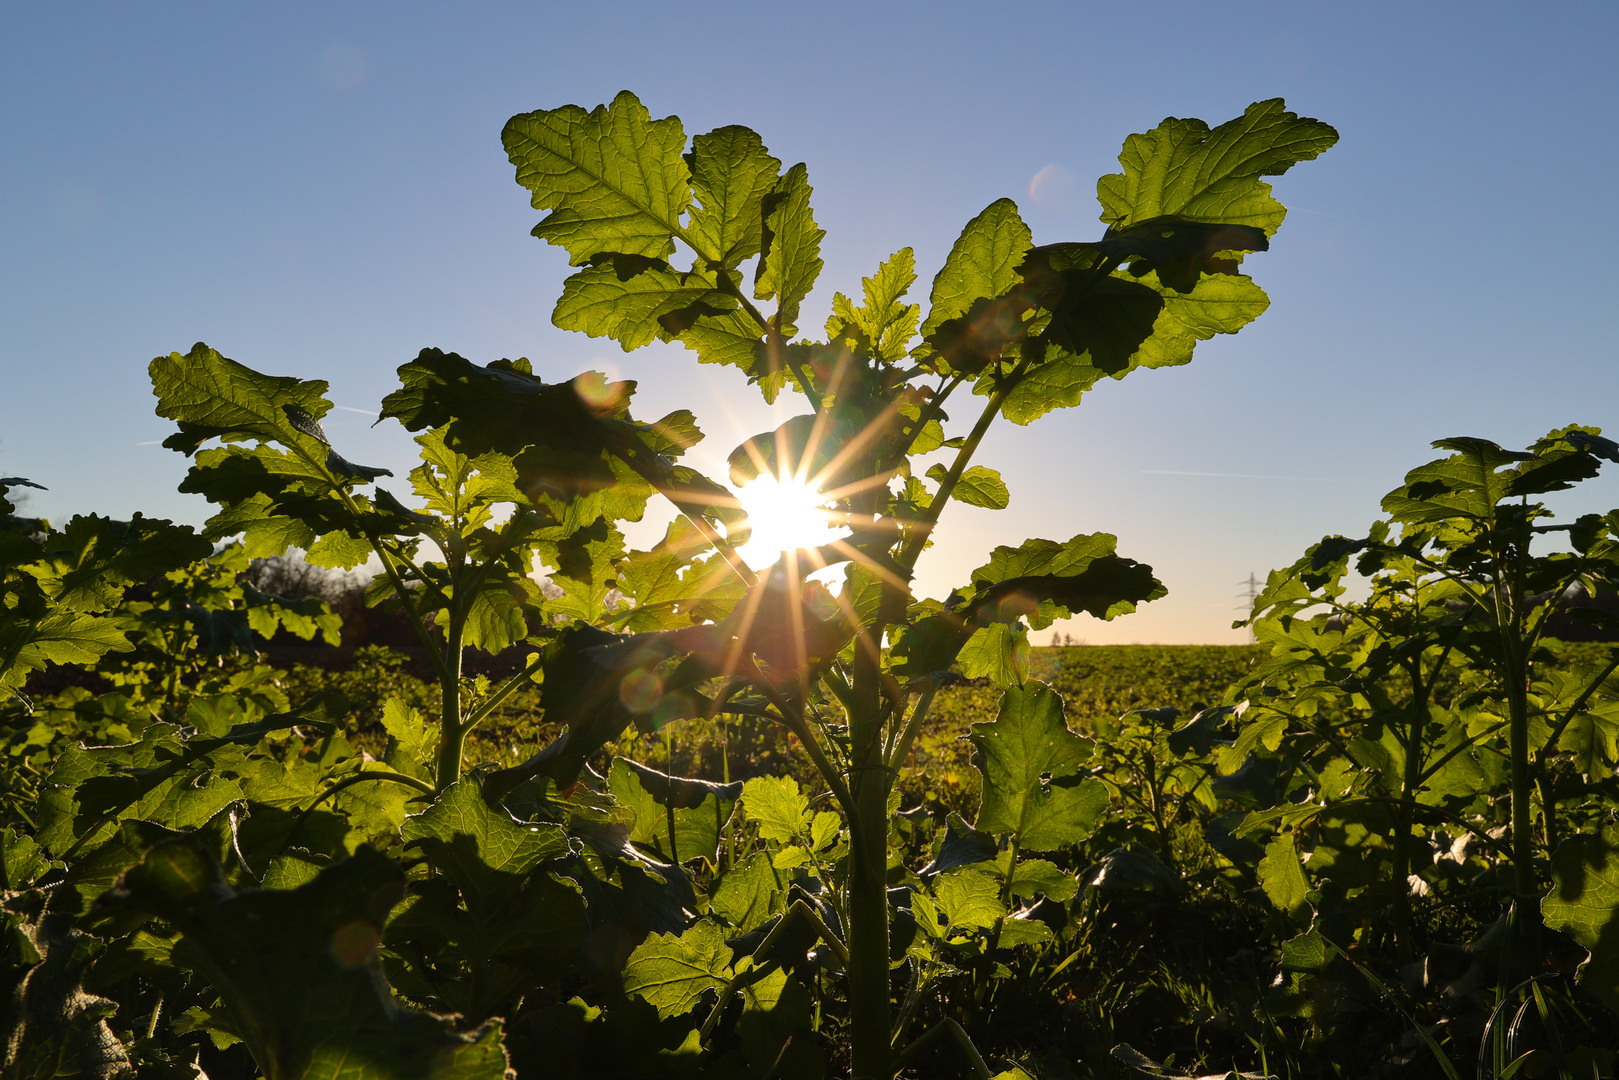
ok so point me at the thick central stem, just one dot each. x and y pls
(1406, 815)
(452, 734)
(1508, 605)
(868, 869)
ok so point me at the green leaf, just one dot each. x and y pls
(1130, 324)
(969, 898)
(497, 615)
(998, 652)
(1042, 580)
(63, 637)
(776, 804)
(211, 396)
(1021, 929)
(792, 248)
(1307, 952)
(1282, 876)
(1182, 167)
(731, 173)
(1030, 762)
(467, 838)
(1059, 382)
(673, 973)
(1593, 738)
(775, 1029)
(656, 304)
(982, 263)
(1584, 903)
(1219, 304)
(680, 792)
(20, 859)
(1466, 485)
(516, 926)
(1037, 876)
(1178, 250)
(568, 441)
(882, 324)
(298, 971)
(87, 565)
(978, 486)
(409, 744)
(746, 895)
(613, 178)
(730, 337)
(824, 829)
(679, 582)
(53, 1028)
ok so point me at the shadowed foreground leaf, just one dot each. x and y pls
(298, 970)
(50, 1028)
(1584, 903)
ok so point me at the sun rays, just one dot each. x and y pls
(785, 514)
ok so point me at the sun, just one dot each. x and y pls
(784, 514)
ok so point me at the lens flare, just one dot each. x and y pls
(785, 514)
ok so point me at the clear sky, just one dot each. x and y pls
(320, 190)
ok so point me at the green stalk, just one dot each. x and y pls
(1410, 780)
(913, 547)
(800, 911)
(902, 745)
(505, 691)
(1507, 605)
(452, 733)
(870, 1021)
(947, 1026)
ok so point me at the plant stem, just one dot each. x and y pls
(868, 864)
(913, 547)
(452, 734)
(902, 745)
(947, 1026)
(1507, 602)
(505, 691)
(1410, 780)
(800, 911)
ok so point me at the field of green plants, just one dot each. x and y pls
(732, 822)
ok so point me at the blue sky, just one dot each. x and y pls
(320, 190)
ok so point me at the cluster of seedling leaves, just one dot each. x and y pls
(224, 863)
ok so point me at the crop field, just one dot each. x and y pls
(685, 812)
(1097, 682)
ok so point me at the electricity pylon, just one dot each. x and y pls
(1252, 586)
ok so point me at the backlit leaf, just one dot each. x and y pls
(1282, 876)
(978, 486)
(792, 247)
(673, 973)
(1030, 762)
(968, 898)
(613, 178)
(776, 804)
(731, 173)
(982, 263)
(745, 894)
(1183, 167)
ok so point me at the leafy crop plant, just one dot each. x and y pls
(617, 919)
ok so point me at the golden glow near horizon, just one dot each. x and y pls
(784, 514)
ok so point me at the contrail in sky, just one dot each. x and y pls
(1253, 476)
